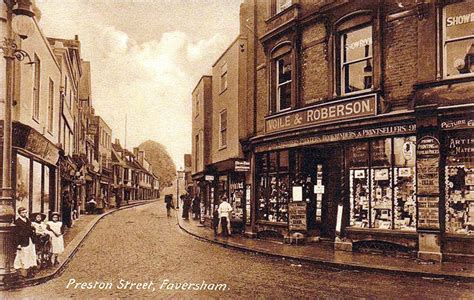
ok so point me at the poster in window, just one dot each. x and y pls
(359, 174)
(404, 172)
(297, 193)
(381, 174)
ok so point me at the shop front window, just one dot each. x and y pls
(46, 192)
(236, 190)
(458, 39)
(37, 174)
(404, 183)
(382, 190)
(22, 187)
(273, 186)
(459, 183)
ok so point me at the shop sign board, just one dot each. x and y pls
(428, 212)
(242, 166)
(297, 216)
(427, 152)
(353, 108)
(209, 177)
(92, 129)
(457, 124)
(341, 136)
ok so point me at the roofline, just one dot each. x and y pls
(228, 48)
(200, 79)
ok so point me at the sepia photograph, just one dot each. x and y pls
(237, 149)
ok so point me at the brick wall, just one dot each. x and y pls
(262, 99)
(314, 65)
(400, 59)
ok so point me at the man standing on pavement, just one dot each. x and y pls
(224, 214)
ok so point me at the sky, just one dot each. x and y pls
(146, 58)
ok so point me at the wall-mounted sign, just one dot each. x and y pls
(297, 193)
(356, 107)
(242, 166)
(341, 136)
(457, 124)
(428, 212)
(427, 163)
(209, 177)
(297, 216)
(92, 129)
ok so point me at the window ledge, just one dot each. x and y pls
(381, 231)
(443, 81)
(280, 224)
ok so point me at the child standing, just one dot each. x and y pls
(215, 221)
(57, 241)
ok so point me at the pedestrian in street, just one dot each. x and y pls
(169, 204)
(57, 241)
(118, 198)
(224, 214)
(196, 207)
(91, 206)
(66, 209)
(215, 221)
(25, 259)
(186, 200)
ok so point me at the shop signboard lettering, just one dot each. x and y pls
(324, 113)
(460, 148)
(209, 177)
(92, 129)
(427, 152)
(242, 166)
(428, 212)
(457, 124)
(297, 216)
(341, 136)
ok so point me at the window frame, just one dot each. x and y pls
(280, 7)
(341, 64)
(444, 42)
(279, 85)
(223, 77)
(223, 130)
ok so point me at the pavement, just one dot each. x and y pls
(73, 237)
(324, 253)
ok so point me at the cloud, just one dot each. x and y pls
(148, 79)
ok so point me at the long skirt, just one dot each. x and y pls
(57, 243)
(26, 257)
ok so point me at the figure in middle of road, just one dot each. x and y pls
(224, 213)
(57, 241)
(169, 204)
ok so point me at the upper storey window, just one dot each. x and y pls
(355, 67)
(458, 39)
(281, 5)
(283, 82)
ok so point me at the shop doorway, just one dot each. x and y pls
(322, 167)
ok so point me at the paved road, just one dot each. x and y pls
(142, 245)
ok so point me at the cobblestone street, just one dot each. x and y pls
(142, 245)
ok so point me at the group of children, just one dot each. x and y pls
(38, 232)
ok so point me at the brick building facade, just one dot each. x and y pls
(360, 130)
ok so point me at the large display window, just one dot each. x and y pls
(382, 183)
(273, 179)
(459, 183)
(22, 184)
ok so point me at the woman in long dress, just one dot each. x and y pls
(57, 241)
(25, 258)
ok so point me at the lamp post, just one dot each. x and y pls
(178, 176)
(18, 16)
